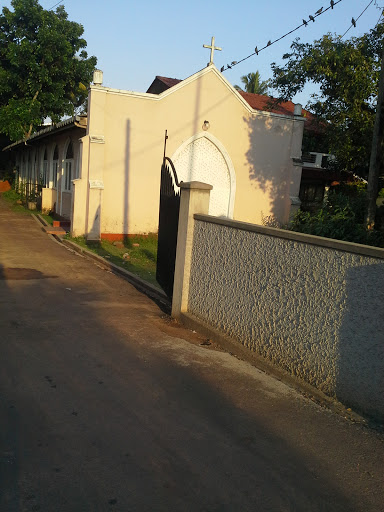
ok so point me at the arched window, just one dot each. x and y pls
(68, 167)
(55, 166)
(35, 173)
(203, 158)
(22, 167)
(45, 172)
(29, 171)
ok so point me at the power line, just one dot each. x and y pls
(304, 24)
(61, 1)
(353, 23)
(270, 43)
(378, 21)
(381, 9)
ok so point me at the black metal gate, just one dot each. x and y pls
(168, 225)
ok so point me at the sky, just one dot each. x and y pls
(135, 41)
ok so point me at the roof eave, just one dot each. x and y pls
(76, 121)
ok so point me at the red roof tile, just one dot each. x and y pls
(168, 81)
(267, 103)
(161, 84)
(256, 101)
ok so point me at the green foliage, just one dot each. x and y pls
(20, 187)
(342, 217)
(347, 73)
(44, 69)
(315, 141)
(11, 195)
(137, 255)
(15, 201)
(253, 83)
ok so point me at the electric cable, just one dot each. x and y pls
(318, 13)
(50, 9)
(353, 24)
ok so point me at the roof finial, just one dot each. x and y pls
(212, 48)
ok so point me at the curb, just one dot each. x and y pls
(235, 348)
(139, 283)
(42, 223)
(136, 281)
(225, 342)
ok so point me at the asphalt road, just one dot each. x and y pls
(106, 405)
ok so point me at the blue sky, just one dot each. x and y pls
(135, 41)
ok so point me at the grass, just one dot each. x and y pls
(136, 254)
(48, 218)
(12, 197)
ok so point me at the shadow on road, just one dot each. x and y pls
(94, 413)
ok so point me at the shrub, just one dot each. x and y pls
(11, 195)
(341, 217)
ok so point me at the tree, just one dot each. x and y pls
(377, 152)
(44, 69)
(342, 216)
(347, 73)
(253, 84)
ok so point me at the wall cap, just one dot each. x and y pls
(195, 185)
(327, 243)
(190, 79)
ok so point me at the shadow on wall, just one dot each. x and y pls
(197, 115)
(268, 137)
(94, 232)
(361, 341)
(126, 178)
(134, 152)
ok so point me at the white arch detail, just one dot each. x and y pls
(186, 162)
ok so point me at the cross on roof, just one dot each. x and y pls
(212, 48)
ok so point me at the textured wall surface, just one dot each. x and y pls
(314, 311)
(202, 161)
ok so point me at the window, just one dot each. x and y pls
(68, 168)
(68, 175)
(311, 196)
(45, 170)
(29, 168)
(22, 168)
(35, 168)
(324, 161)
(55, 166)
(312, 192)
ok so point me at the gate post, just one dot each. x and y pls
(194, 198)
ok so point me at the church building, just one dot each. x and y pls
(103, 172)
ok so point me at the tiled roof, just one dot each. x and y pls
(267, 103)
(170, 82)
(262, 102)
(161, 84)
(78, 121)
(256, 101)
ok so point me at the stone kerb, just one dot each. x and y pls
(194, 198)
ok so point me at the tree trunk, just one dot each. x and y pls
(29, 132)
(376, 160)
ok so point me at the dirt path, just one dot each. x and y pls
(106, 405)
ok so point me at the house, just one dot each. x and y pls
(103, 173)
(48, 162)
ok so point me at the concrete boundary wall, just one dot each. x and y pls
(310, 305)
